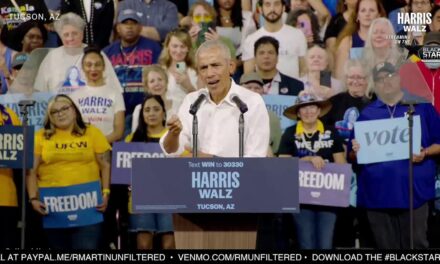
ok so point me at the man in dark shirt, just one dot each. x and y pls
(266, 58)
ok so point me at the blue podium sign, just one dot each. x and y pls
(72, 206)
(12, 146)
(329, 186)
(123, 152)
(218, 185)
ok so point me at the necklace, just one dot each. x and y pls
(313, 148)
(89, 24)
(392, 112)
(227, 19)
(309, 135)
(129, 57)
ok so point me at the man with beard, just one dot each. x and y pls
(293, 43)
(128, 56)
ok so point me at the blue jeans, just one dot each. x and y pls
(151, 222)
(84, 237)
(315, 227)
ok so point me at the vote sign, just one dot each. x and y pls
(386, 139)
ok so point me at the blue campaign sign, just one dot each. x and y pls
(329, 186)
(12, 146)
(36, 112)
(72, 206)
(279, 103)
(387, 139)
(229, 185)
(356, 53)
(123, 153)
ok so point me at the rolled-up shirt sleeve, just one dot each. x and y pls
(185, 134)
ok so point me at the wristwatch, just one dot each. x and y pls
(33, 199)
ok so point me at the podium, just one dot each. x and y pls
(215, 202)
(215, 231)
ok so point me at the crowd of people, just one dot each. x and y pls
(129, 70)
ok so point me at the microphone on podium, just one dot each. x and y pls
(240, 104)
(196, 105)
(23, 104)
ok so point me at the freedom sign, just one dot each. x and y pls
(72, 206)
(329, 186)
(12, 146)
(387, 139)
(123, 152)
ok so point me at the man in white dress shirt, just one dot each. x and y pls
(218, 115)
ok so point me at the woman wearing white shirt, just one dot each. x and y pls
(54, 68)
(177, 58)
(233, 22)
(99, 103)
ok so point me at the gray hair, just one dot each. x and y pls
(351, 63)
(69, 19)
(379, 20)
(214, 44)
(395, 54)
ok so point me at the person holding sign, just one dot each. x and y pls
(311, 141)
(8, 192)
(69, 153)
(383, 186)
(218, 115)
(151, 127)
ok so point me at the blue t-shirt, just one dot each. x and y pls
(385, 184)
(128, 63)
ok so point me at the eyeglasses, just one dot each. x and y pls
(386, 77)
(199, 19)
(62, 110)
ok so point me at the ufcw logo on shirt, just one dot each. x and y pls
(72, 145)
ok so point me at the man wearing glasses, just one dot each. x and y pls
(383, 186)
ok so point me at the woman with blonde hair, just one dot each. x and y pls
(155, 83)
(355, 32)
(177, 59)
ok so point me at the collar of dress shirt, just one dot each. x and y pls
(234, 89)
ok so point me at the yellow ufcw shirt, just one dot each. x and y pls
(8, 192)
(68, 159)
